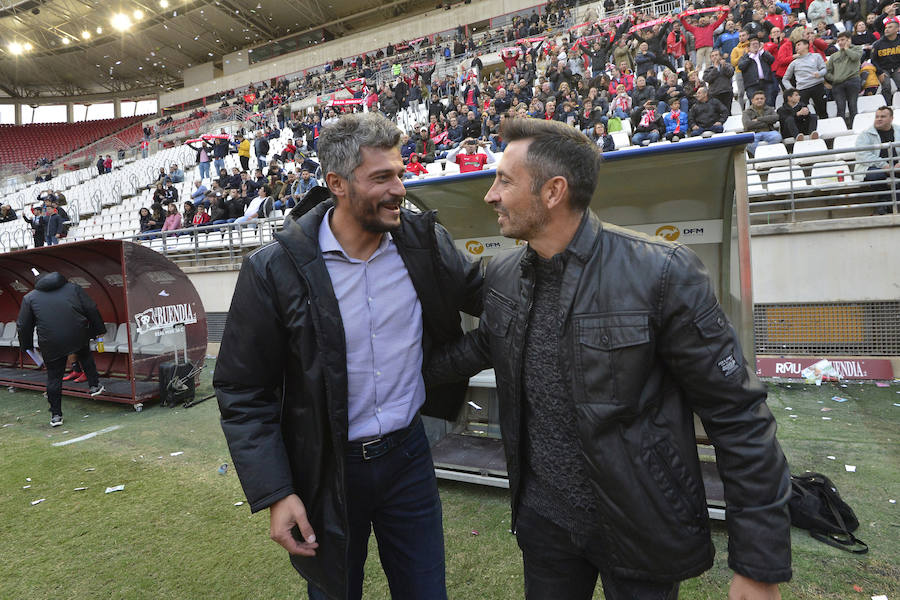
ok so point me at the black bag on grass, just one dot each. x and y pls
(817, 506)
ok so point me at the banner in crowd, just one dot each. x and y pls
(422, 63)
(651, 23)
(697, 11)
(531, 40)
(346, 102)
(249, 98)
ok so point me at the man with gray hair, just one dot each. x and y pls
(319, 376)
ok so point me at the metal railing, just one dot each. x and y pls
(816, 185)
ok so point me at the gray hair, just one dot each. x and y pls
(339, 144)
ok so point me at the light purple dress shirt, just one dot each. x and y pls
(382, 319)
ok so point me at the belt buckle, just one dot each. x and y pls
(365, 444)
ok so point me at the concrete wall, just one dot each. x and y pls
(199, 73)
(827, 261)
(238, 74)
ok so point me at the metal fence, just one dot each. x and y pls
(823, 185)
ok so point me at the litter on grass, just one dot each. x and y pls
(826, 418)
(90, 469)
(822, 370)
(825, 409)
(25, 487)
(38, 501)
(238, 503)
(831, 457)
(793, 416)
(474, 532)
(850, 468)
(117, 488)
(892, 501)
(28, 479)
(175, 453)
(788, 408)
(882, 384)
(79, 489)
(838, 399)
(880, 597)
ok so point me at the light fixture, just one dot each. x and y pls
(138, 14)
(27, 46)
(120, 22)
(99, 30)
(16, 48)
(65, 41)
(86, 34)
(164, 3)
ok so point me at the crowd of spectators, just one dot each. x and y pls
(669, 76)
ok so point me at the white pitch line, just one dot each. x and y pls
(87, 436)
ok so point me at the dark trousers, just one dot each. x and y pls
(396, 495)
(245, 162)
(845, 95)
(769, 88)
(817, 94)
(874, 173)
(559, 564)
(56, 369)
(792, 126)
(725, 98)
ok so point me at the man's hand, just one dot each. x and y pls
(744, 588)
(283, 516)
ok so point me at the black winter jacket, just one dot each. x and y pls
(645, 344)
(706, 113)
(281, 376)
(65, 316)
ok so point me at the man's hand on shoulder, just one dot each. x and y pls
(744, 588)
(283, 516)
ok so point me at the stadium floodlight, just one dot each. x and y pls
(27, 46)
(66, 41)
(120, 22)
(99, 30)
(86, 34)
(16, 48)
(164, 3)
(138, 14)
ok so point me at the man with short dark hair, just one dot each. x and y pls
(796, 120)
(886, 58)
(756, 72)
(604, 343)
(809, 70)
(759, 119)
(66, 319)
(878, 163)
(842, 74)
(319, 377)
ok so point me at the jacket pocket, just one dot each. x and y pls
(612, 354)
(673, 481)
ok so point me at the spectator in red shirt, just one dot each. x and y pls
(468, 157)
(201, 217)
(107, 164)
(676, 45)
(414, 167)
(703, 36)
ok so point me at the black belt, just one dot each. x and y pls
(375, 447)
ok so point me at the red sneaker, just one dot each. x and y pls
(81, 378)
(73, 375)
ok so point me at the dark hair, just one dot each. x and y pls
(757, 93)
(887, 108)
(557, 150)
(788, 93)
(802, 41)
(844, 34)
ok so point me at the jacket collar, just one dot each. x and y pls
(300, 236)
(583, 242)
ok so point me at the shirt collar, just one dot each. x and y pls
(329, 243)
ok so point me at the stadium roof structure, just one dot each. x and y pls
(90, 48)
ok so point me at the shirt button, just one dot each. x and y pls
(605, 339)
(373, 336)
(377, 410)
(378, 373)
(371, 298)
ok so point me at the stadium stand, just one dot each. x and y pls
(26, 144)
(556, 56)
